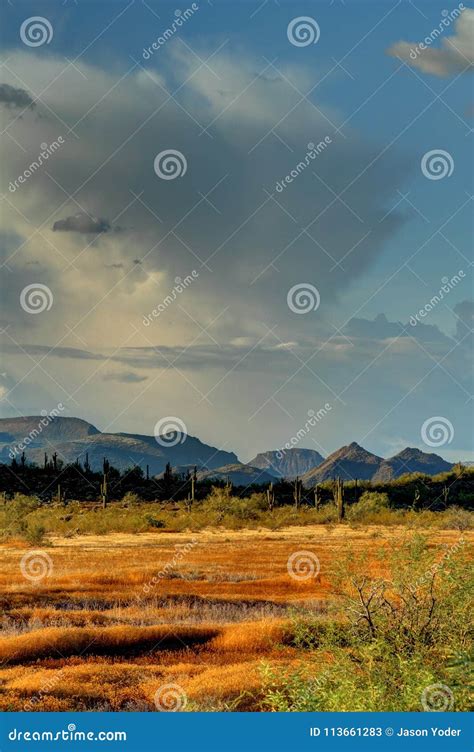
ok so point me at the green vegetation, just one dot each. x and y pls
(28, 518)
(389, 641)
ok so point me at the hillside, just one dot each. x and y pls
(289, 464)
(349, 462)
(411, 460)
(73, 438)
(239, 475)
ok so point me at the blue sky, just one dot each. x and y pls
(395, 234)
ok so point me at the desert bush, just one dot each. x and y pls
(395, 637)
(35, 534)
(458, 519)
(370, 503)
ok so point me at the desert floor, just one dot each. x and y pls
(169, 620)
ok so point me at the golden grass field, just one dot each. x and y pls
(119, 616)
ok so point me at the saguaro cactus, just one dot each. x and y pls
(416, 499)
(270, 497)
(317, 497)
(192, 492)
(104, 486)
(60, 495)
(297, 487)
(339, 498)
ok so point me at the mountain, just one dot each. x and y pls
(349, 462)
(73, 438)
(239, 475)
(293, 462)
(411, 460)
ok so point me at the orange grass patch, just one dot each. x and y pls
(57, 642)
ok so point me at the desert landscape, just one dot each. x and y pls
(246, 619)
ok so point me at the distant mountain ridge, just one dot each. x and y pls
(73, 438)
(287, 463)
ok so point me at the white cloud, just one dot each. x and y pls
(454, 55)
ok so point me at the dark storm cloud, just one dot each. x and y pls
(14, 98)
(83, 223)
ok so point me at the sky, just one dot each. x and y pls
(249, 214)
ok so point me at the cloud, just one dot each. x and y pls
(14, 98)
(465, 318)
(454, 55)
(125, 378)
(381, 328)
(83, 223)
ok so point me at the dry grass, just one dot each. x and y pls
(101, 633)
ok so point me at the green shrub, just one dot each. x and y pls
(370, 503)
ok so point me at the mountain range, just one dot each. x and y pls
(74, 438)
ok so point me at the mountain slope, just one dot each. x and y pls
(73, 438)
(293, 462)
(239, 475)
(349, 462)
(411, 460)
